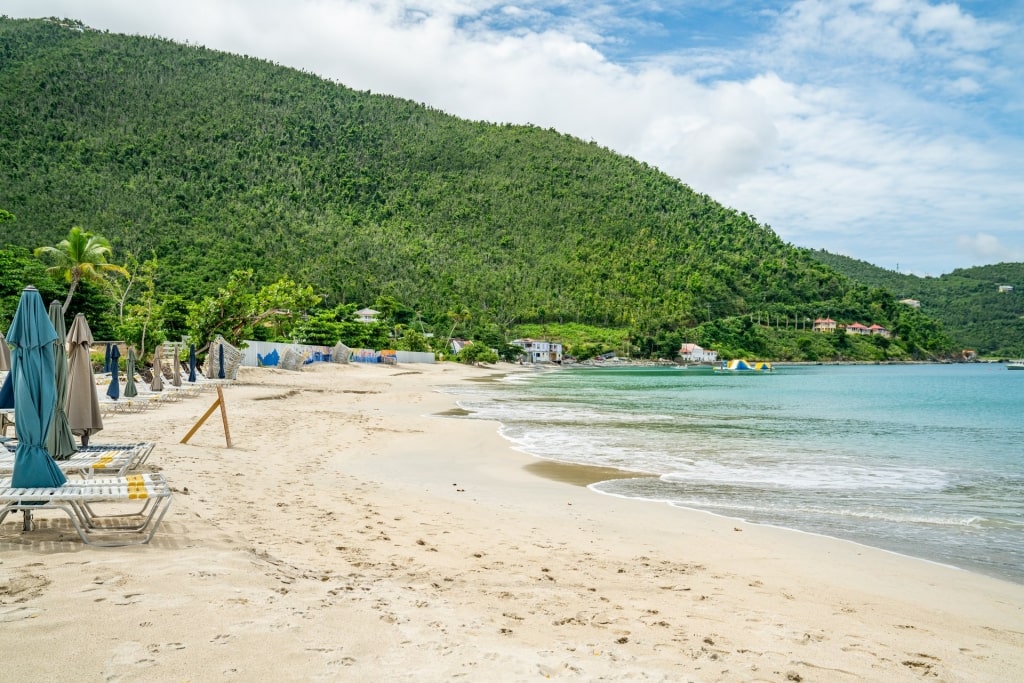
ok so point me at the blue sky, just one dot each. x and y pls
(891, 131)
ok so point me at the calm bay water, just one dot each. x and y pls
(925, 460)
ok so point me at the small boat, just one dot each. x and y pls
(1015, 364)
(742, 365)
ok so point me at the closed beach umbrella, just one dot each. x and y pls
(60, 442)
(158, 372)
(191, 362)
(106, 358)
(220, 358)
(114, 390)
(175, 368)
(7, 392)
(5, 354)
(35, 392)
(7, 389)
(129, 375)
(83, 403)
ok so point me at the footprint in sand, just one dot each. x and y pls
(18, 613)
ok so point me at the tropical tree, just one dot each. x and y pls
(239, 308)
(81, 256)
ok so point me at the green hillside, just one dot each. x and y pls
(217, 162)
(968, 302)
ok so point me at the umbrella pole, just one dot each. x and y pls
(26, 520)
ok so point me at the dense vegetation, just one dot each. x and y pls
(206, 165)
(968, 302)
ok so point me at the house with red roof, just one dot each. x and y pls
(691, 353)
(824, 325)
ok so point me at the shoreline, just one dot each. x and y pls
(923, 551)
(354, 532)
(585, 476)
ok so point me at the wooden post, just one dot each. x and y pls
(223, 414)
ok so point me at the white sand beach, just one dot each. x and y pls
(355, 532)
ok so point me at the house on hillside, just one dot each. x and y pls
(459, 344)
(691, 353)
(879, 330)
(539, 351)
(1005, 288)
(913, 303)
(367, 315)
(824, 325)
(857, 328)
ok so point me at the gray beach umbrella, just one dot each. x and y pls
(175, 369)
(83, 403)
(114, 390)
(60, 442)
(130, 390)
(158, 372)
(5, 354)
(35, 393)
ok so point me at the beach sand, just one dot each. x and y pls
(360, 530)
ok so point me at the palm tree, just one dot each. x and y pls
(82, 256)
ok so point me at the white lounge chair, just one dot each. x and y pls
(94, 459)
(79, 500)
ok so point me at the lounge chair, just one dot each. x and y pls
(91, 460)
(80, 499)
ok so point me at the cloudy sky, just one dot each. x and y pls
(888, 130)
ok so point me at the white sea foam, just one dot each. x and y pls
(793, 475)
(867, 454)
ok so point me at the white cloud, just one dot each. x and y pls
(986, 248)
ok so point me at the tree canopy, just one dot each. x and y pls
(220, 164)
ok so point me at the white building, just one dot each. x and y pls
(537, 351)
(691, 353)
(367, 315)
(458, 344)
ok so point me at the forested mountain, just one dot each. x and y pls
(968, 302)
(217, 162)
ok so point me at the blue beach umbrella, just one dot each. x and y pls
(60, 442)
(191, 362)
(114, 390)
(35, 392)
(7, 392)
(106, 358)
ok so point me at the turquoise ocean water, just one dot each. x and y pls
(924, 460)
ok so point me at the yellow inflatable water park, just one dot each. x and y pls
(742, 365)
